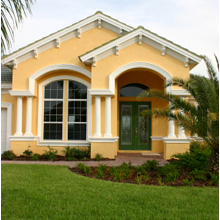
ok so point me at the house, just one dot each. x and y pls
(79, 86)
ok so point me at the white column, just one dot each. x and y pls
(97, 116)
(19, 117)
(29, 117)
(181, 131)
(171, 125)
(108, 116)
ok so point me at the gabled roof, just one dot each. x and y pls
(140, 35)
(6, 75)
(32, 50)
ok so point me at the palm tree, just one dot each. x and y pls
(12, 13)
(201, 120)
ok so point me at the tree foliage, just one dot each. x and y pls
(201, 119)
(12, 13)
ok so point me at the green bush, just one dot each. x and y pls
(100, 174)
(102, 167)
(28, 152)
(98, 157)
(51, 154)
(84, 168)
(35, 157)
(151, 165)
(80, 154)
(8, 155)
(140, 170)
(215, 179)
(198, 159)
(198, 174)
(170, 172)
(186, 182)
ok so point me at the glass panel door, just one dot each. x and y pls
(134, 128)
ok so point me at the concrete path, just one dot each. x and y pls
(136, 159)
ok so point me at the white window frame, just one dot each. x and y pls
(54, 122)
(42, 142)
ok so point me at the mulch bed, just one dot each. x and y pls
(153, 178)
(58, 158)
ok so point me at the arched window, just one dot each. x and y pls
(132, 90)
(54, 105)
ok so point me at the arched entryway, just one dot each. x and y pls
(134, 129)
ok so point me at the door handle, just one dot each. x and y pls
(136, 132)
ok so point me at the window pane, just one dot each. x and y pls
(52, 131)
(77, 90)
(76, 131)
(132, 90)
(54, 90)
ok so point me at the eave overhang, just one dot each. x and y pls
(141, 35)
(54, 40)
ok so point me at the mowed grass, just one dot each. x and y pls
(53, 192)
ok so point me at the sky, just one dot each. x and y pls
(193, 24)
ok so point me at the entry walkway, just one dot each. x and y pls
(135, 159)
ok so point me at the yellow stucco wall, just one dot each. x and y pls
(171, 149)
(68, 54)
(13, 100)
(135, 53)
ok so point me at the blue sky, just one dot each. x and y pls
(193, 24)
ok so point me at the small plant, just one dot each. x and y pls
(68, 152)
(186, 182)
(146, 176)
(151, 165)
(118, 176)
(28, 152)
(138, 180)
(35, 157)
(140, 170)
(81, 166)
(160, 181)
(199, 174)
(113, 171)
(98, 157)
(51, 154)
(102, 167)
(87, 169)
(100, 174)
(8, 155)
(215, 179)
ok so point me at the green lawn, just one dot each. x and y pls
(53, 192)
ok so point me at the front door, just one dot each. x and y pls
(134, 128)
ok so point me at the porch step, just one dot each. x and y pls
(150, 154)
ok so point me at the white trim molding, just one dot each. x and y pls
(5, 87)
(134, 65)
(64, 35)
(103, 139)
(176, 140)
(47, 69)
(42, 142)
(156, 138)
(21, 93)
(8, 106)
(138, 36)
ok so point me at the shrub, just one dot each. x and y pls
(102, 167)
(100, 174)
(198, 159)
(51, 154)
(215, 179)
(138, 180)
(84, 168)
(81, 166)
(80, 153)
(35, 157)
(199, 174)
(68, 152)
(112, 171)
(140, 170)
(98, 157)
(151, 165)
(186, 182)
(170, 171)
(28, 152)
(8, 155)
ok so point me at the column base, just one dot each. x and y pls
(181, 136)
(29, 134)
(97, 135)
(18, 134)
(107, 135)
(171, 136)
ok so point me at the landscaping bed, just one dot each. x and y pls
(139, 175)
